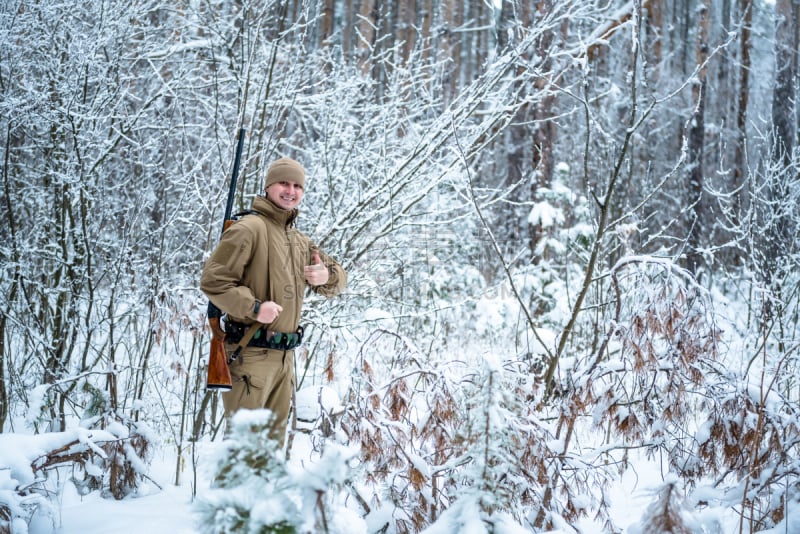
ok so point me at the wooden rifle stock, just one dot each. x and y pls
(219, 375)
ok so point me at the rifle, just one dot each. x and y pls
(219, 375)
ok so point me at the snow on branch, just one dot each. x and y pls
(601, 35)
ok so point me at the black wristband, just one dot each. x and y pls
(256, 307)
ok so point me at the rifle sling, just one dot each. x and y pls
(248, 335)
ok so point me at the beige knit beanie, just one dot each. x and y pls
(285, 170)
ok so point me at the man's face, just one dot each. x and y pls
(285, 195)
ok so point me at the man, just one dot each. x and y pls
(258, 274)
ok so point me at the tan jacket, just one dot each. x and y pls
(261, 257)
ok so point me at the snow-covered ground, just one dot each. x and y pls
(166, 511)
(162, 507)
(169, 510)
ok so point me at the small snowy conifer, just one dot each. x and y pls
(251, 493)
(258, 492)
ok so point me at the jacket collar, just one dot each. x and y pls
(265, 207)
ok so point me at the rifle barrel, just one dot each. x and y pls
(234, 177)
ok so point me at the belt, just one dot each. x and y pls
(265, 338)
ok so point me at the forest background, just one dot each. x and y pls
(571, 232)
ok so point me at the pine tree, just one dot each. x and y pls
(252, 487)
(256, 491)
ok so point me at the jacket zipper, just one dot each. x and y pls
(298, 289)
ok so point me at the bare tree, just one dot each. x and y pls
(367, 26)
(326, 22)
(698, 220)
(743, 95)
(407, 28)
(778, 224)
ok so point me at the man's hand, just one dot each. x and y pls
(268, 312)
(316, 274)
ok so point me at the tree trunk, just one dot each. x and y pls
(746, 8)
(426, 21)
(783, 95)
(348, 22)
(545, 132)
(655, 30)
(453, 20)
(505, 24)
(777, 231)
(407, 28)
(697, 204)
(482, 35)
(325, 22)
(684, 25)
(366, 30)
(10, 297)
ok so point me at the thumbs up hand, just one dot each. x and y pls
(316, 274)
